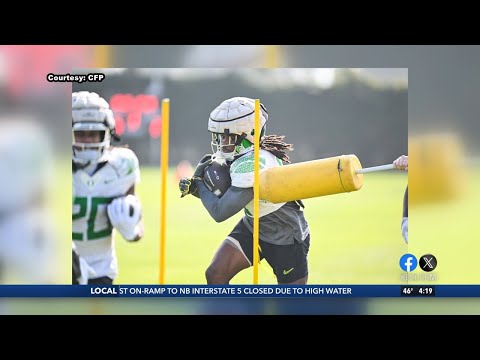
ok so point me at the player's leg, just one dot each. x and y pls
(104, 280)
(289, 262)
(227, 262)
(76, 270)
(230, 258)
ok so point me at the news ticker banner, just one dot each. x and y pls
(237, 291)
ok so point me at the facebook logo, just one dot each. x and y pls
(408, 262)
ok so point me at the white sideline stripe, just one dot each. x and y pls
(237, 245)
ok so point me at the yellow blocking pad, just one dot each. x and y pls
(310, 179)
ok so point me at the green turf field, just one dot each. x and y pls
(355, 237)
(448, 230)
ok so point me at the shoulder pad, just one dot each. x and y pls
(124, 161)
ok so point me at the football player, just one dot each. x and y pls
(104, 179)
(284, 232)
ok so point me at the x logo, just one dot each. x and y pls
(428, 263)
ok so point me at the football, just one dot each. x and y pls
(216, 178)
(131, 201)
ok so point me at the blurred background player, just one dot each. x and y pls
(402, 164)
(104, 179)
(28, 250)
(284, 233)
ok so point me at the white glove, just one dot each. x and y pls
(405, 229)
(125, 213)
(401, 163)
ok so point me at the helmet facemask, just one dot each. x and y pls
(90, 152)
(226, 146)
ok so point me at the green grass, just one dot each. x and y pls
(449, 230)
(355, 237)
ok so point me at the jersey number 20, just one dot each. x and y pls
(94, 203)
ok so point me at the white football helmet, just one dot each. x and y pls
(90, 112)
(232, 125)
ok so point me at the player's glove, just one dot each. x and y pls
(401, 163)
(202, 164)
(125, 213)
(187, 186)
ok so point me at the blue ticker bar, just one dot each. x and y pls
(238, 291)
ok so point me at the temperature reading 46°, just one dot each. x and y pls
(417, 290)
(406, 291)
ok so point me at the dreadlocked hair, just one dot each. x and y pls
(276, 145)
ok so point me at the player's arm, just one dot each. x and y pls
(220, 209)
(405, 216)
(125, 212)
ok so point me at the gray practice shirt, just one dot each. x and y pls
(281, 227)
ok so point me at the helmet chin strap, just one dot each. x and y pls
(88, 157)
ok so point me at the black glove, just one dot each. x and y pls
(187, 186)
(202, 164)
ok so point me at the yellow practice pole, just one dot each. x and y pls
(102, 56)
(163, 200)
(256, 192)
(272, 56)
